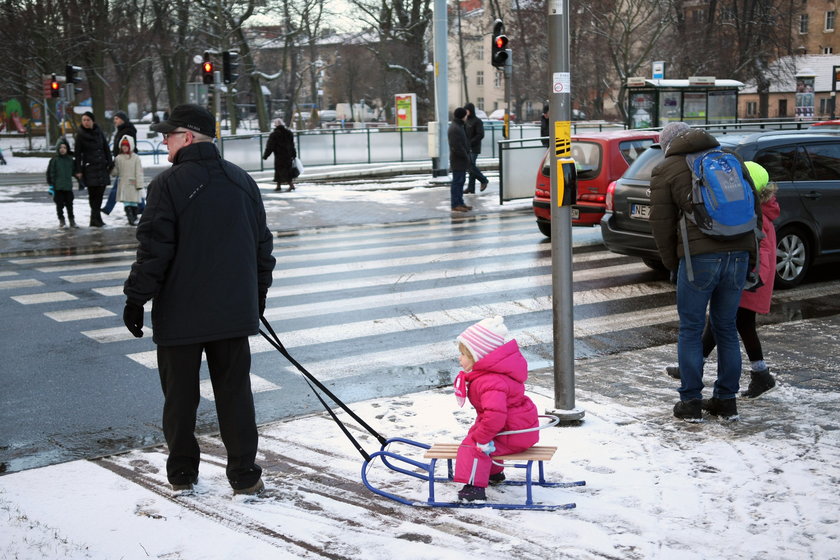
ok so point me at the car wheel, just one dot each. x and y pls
(793, 257)
(545, 228)
(655, 264)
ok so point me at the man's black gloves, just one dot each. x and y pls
(133, 318)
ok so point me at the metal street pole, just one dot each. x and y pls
(439, 29)
(563, 195)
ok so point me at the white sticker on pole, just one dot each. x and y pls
(555, 7)
(561, 82)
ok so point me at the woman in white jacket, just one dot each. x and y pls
(128, 168)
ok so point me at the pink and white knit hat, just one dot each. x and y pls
(484, 337)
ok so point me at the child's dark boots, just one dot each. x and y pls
(470, 493)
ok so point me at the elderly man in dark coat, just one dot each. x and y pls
(281, 143)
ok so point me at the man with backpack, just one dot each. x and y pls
(711, 257)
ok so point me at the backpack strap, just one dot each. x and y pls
(684, 230)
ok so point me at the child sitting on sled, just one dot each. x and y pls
(493, 379)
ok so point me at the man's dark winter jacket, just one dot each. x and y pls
(459, 150)
(204, 252)
(93, 156)
(475, 133)
(670, 190)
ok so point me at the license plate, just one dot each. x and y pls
(640, 211)
(575, 214)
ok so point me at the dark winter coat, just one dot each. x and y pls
(670, 189)
(204, 254)
(496, 388)
(475, 133)
(281, 143)
(125, 129)
(93, 156)
(60, 168)
(459, 149)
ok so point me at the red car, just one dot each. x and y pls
(600, 159)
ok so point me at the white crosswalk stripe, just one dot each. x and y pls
(389, 297)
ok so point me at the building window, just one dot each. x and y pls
(479, 78)
(827, 50)
(479, 52)
(803, 24)
(752, 108)
(782, 108)
(480, 103)
(497, 80)
(829, 20)
(825, 106)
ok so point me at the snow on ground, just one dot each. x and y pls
(656, 488)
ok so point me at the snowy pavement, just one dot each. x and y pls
(656, 487)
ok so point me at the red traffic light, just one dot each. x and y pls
(501, 42)
(55, 86)
(208, 67)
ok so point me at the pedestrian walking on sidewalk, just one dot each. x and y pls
(459, 160)
(60, 180)
(129, 173)
(93, 164)
(493, 379)
(204, 260)
(720, 268)
(475, 134)
(281, 143)
(756, 300)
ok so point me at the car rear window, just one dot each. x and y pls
(587, 156)
(641, 169)
(632, 149)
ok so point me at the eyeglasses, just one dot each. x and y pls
(166, 135)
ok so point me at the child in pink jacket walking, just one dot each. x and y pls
(493, 379)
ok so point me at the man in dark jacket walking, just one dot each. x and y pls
(475, 134)
(720, 269)
(459, 159)
(204, 258)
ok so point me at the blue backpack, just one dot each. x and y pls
(722, 204)
(722, 200)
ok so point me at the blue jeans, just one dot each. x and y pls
(456, 190)
(718, 281)
(475, 173)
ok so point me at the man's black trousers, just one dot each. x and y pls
(229, 362)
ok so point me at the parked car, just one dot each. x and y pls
(600, 158)
(806, 166)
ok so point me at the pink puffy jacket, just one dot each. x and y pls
(759, 300)
(496, 388)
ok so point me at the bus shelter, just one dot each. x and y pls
(695, 101)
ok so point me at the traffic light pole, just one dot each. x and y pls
(441, 57)
(217, 101)
(562, 197)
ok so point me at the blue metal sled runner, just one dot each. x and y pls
(426, 471)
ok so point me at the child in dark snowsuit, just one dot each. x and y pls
(60, 180)
(493, 379)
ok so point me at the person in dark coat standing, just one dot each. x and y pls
(544, 131)
(475, 134)
(459, 160)
(204, 259)
(281, 143)
(93, 164)
(124, 128)
(720, 268)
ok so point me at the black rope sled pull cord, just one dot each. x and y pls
(274, 340)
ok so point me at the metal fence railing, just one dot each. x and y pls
(358, 145)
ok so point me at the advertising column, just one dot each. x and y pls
(406, 104)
